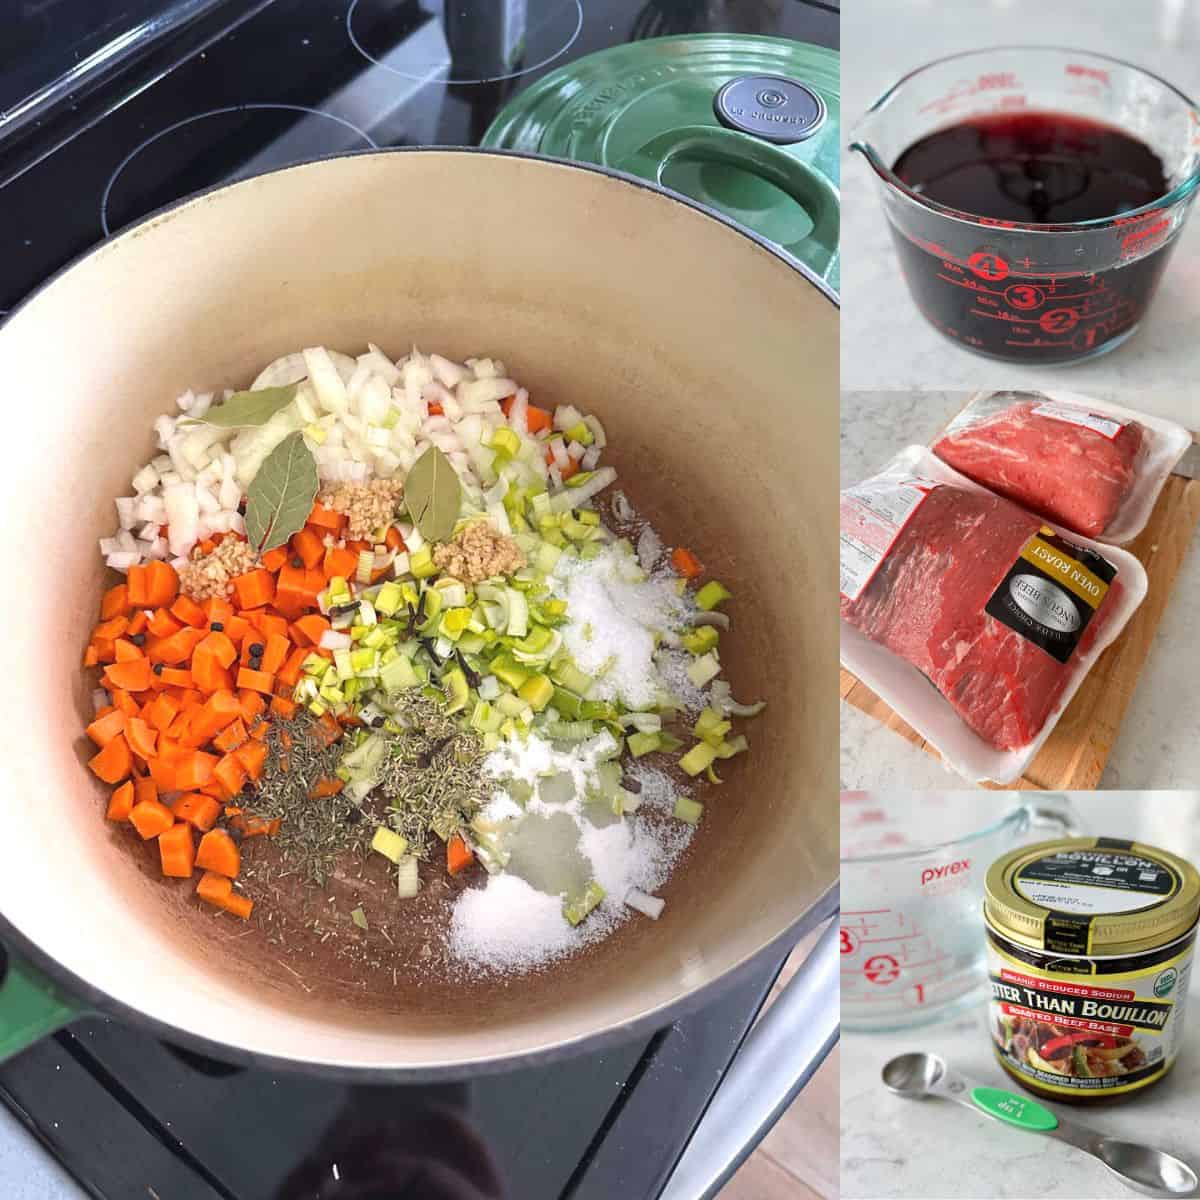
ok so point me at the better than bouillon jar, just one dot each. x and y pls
(1090, 944)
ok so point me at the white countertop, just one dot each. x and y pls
(885, 341)
(892, 1147)
(1156, 746)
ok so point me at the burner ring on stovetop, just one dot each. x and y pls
(485, 37)
(282, 157)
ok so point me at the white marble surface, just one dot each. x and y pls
(885, 341)
(1156, 746)
(892, 1147)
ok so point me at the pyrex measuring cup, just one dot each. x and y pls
(912, 938)
(1025, 292)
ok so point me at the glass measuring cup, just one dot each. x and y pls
(912, 939)
(1026, 292)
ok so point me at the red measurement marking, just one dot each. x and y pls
(1024, 296)
(988, 266)
(1059, 320)
(882, 969)
(849, 942)
(1088, 72)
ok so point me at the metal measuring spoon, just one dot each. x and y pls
(1151, 1171)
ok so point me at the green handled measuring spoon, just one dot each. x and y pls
(1153, 1172)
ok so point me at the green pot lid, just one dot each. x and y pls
(746, 125)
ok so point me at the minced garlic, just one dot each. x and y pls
(369, 506)
(478, 552)
(209, 575)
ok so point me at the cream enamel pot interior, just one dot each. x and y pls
(711, 360)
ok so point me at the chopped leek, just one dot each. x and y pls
(389, 843)
(704, 670)
(420, 563)
(575, 910)
(689, 810)
(700, 640)
(408, 882)
(643, 743)
(456, 689)
(537, 692)
(699, 758)
(712, 594)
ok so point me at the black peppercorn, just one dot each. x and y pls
(158, 668)
(218, 627)
(257, 650)
(297, 562)
(138, 639)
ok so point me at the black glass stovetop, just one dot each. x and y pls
(110, 109)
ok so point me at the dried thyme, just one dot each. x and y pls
(431, 775)
(312, 831)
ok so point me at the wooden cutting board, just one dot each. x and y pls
(1074, 755)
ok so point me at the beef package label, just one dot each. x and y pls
(1051, 592)
(872, 515)
(1108, 426)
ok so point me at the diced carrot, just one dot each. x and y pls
(257, 681)
(161, 711)
(104, 649)
(162, 624)
(142, 739)
(274, 559)
(260, 730)
(536, 419)
(394, 541)
(144, 789)
(137, 623)
(125, 651)
(175, 677)
(175, 649)
(133, 675)
(162, 584)
(221, 646)
(150, 818)
(103, 729)
(326, 518)
(324, 788)
(193, 769)
(309, 630)
(126, 703)
(328, 729)
(162, 773)
(186, 609)
(91, 657)
(112, 628)
(254, 589)
(218, 852)
(207, 672)
(177, 851)
(309, 546)
(219, 710)
(252, 705)
(252, 755)
(271, 624)
(237, 627)
(135, 579)
(230, 773)
(291, 670)
(435, 409)
(121, 803)
(275, 654)
(571, 469)
(458, 855)
(214, 888)
(686, 563)
(115, 601)
(238, 905)
(216, 608)
(197, 809)
(232, 736)
(114, 762)
(340, 561)
(281, 706)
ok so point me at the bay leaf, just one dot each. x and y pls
(280, 497)
(247, 410)
(433, 495)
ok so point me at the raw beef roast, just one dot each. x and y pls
(926, 602)
(1068, 472)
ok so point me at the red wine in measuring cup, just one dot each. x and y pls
(1023, 295)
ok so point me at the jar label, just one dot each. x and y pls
(1072, 1033)
(1079, 884)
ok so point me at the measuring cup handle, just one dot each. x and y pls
(1060, 818)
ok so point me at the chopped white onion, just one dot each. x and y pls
(331, 639)
(643, 902)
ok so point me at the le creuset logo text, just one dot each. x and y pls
(930, 874)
